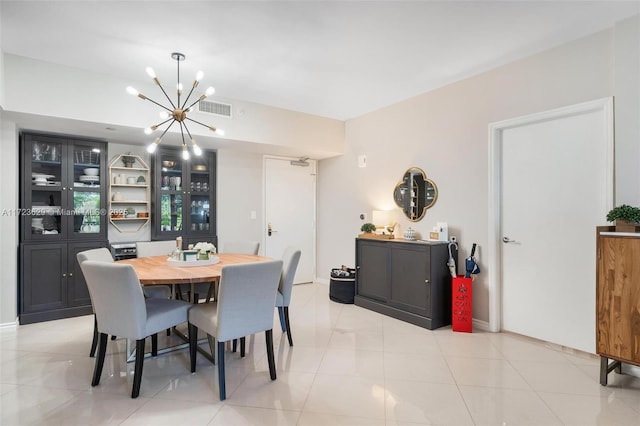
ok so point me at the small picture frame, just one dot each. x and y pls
(190, 255)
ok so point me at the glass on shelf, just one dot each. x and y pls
(86, 166)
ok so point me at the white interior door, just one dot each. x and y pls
(290, 212)
(556, 188)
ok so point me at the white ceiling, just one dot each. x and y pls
(337, 59)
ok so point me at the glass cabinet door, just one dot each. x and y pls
(86, 215)
(183, 196)
(200, 202)
(171, 187)
(44, 197)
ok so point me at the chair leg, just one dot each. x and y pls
(286, 322)
(114, 337)
(154, 345)
(102, 350)
(193, 345)
(221, 381)
(242, 346)
(168, 332)
(137, 374)
(234, 345)
(281, 316)
(272, 363)
(94, 341)
(212, 347)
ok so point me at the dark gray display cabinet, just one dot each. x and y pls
(407, 280)
(63, 211)
(183, 196)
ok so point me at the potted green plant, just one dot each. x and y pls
(128, 160)
(368, 227)
(626, 217)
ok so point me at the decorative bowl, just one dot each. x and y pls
(91, 171)
(167, 163)
(200, 168)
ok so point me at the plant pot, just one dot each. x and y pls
(625, 226)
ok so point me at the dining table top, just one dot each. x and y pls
(156, 269)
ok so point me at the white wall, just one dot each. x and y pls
(8, 222)
(627, 106)
(445, 132)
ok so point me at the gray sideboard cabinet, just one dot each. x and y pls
(407, 280)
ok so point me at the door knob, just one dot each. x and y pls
(270, 229)
(507, 240)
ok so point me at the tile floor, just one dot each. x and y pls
(349, 366)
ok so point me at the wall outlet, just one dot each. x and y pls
(363, 216)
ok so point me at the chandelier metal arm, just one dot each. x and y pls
(203, 96)
(195, 83)
(155, 126)
(165, 95)
(141, 96)
(166, 130)
(213, 129)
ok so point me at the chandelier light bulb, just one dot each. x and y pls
(148, 130)
(150, 72)
(152, 148)
(132, 91)
(196, 149)
(199, 75)
(164, 115)
(185, 152)
(179, 87)
(210, 91)
(220, 132)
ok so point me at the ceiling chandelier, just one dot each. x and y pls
(176, 112)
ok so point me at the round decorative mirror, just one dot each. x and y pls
(415, 194)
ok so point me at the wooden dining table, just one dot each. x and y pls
(154, 270)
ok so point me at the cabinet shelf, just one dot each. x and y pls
(128, 185)
(139, 192)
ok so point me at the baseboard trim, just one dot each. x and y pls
(9, 325)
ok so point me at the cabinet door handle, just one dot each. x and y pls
(426, 281)
(70, 274)
(64, 275)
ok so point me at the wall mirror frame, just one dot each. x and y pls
(415, 193)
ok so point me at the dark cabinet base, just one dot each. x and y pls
(400, 314)
(55, 314)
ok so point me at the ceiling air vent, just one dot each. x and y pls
(216, 108)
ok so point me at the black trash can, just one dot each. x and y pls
(342, 286)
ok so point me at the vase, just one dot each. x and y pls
(203, 255)
(625, 226)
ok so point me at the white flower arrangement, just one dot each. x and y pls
(205, 247)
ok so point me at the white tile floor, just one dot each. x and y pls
(349, 366)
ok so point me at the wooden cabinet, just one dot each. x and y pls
(617, 299)
(63, 210)
(184, 196)
(404, 279)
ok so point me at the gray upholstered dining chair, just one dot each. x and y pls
(290, 259)
(241, 247)
(245, 303)
(155, 248)
(103, 254)
(122, 310)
